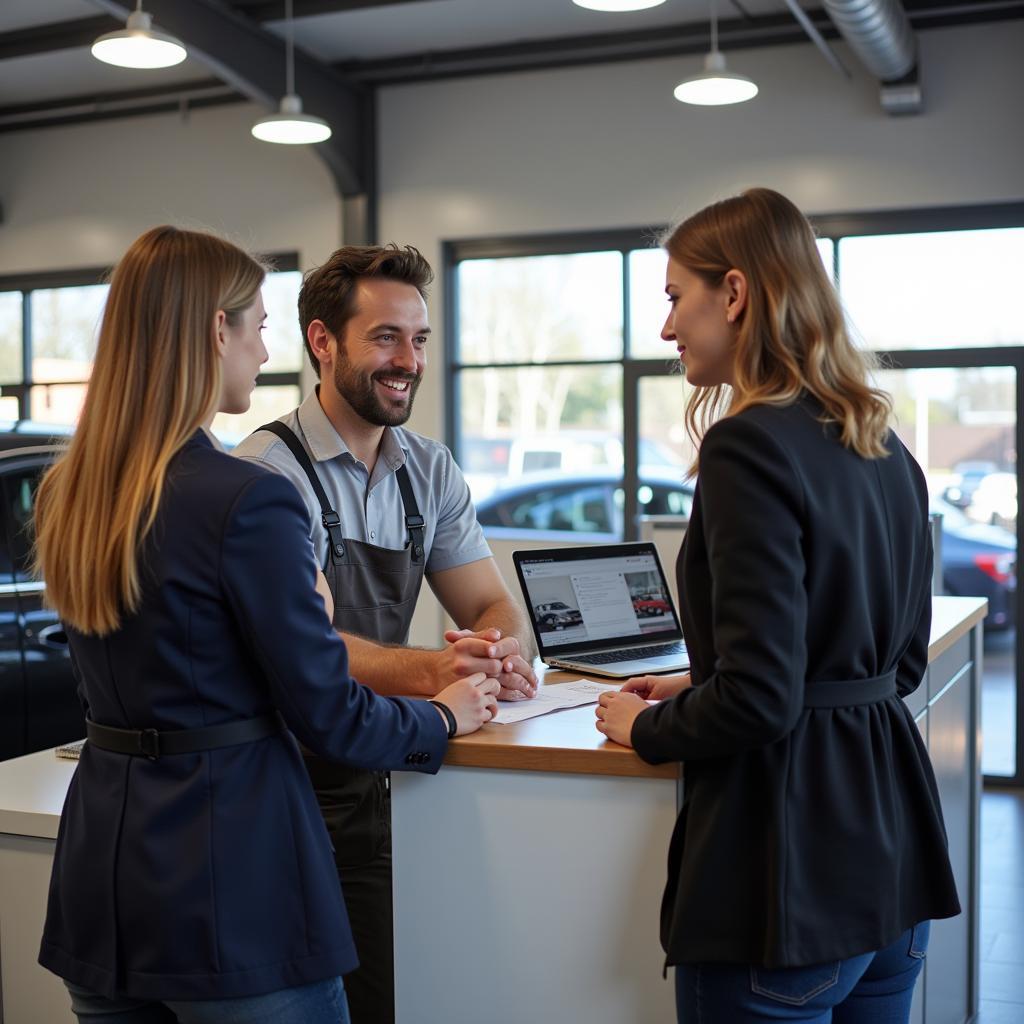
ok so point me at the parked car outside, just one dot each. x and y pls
(967, 476)
(580, 503)
(493, 463)
(979, 560)
(994, 500)
(39, 704)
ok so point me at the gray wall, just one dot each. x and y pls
(78, 196)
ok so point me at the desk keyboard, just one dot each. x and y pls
(611, 657)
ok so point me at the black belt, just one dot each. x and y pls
(848, 693)
(153, 743)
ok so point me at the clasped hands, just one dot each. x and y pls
(617, 710)
(485, 650)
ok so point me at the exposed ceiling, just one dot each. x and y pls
(49, 78)
(44, 44)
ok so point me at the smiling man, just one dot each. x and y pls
(387, 507)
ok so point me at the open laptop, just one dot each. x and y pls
(603, 610)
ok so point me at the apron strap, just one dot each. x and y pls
(328, 516)
(413, 519)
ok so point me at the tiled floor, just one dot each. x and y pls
(1002, 907)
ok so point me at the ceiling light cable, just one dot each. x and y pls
(290, 126)
(715, 86)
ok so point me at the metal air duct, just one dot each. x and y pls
(879, 33)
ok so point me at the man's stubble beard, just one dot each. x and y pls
(357, 388)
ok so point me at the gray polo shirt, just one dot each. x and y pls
(370, 507)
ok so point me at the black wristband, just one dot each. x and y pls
(453, 725)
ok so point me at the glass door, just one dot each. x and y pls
(960, 423)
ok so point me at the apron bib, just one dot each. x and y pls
(375, 591)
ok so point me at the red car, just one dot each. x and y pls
(651, 605)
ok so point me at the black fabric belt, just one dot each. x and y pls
(848, 693)
(154, 743)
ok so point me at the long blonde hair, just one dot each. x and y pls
(156, 377)
(792, 336)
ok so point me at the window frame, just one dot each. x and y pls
(27, 283)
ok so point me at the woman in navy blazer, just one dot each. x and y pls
(193, 877)
(810, 851)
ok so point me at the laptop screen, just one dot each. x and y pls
(592, 598)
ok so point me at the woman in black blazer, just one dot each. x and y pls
(193, 878)
(810, 852)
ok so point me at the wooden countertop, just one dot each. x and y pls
(32, 788)
(563, 741)
(567, 741)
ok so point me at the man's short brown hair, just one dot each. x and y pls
(328, 292)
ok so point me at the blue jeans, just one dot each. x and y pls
(874, 988)
(322, 1002)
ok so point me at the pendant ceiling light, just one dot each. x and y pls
(290, 126)
(715, 86)
(137, 45)
(618, 5)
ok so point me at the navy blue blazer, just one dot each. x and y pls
(210, 875)
(811, 829)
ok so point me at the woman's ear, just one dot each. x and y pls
(735, 283)
(219, 319)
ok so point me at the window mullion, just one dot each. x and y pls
(25, 397)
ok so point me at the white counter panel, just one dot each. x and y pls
(525, 895)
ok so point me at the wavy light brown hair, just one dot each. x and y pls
(155, 379)
(792, 335)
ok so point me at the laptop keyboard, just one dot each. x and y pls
(611, 657)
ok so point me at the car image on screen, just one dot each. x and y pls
(556, 615)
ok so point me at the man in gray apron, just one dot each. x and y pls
(387, 506)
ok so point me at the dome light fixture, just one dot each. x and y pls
(138, 45)
(290, 126)
(715, 86)
(618, 5)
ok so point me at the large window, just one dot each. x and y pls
(549, 346)
(48, 330)
(567, 407)
(934, 290)
(558, 359)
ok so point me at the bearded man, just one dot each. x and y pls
(387, 507)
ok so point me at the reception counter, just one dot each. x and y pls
(532, 868)
(528, 874)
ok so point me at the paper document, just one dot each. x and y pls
(552, 698)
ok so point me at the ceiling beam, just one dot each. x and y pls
(534, 55)
(80, 32)
(273, 10)
(180, 98)
(748, 32)
(60, 35)
(567, 51)
(251, 60)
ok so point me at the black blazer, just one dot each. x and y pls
(811, 829)
(210, 875)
